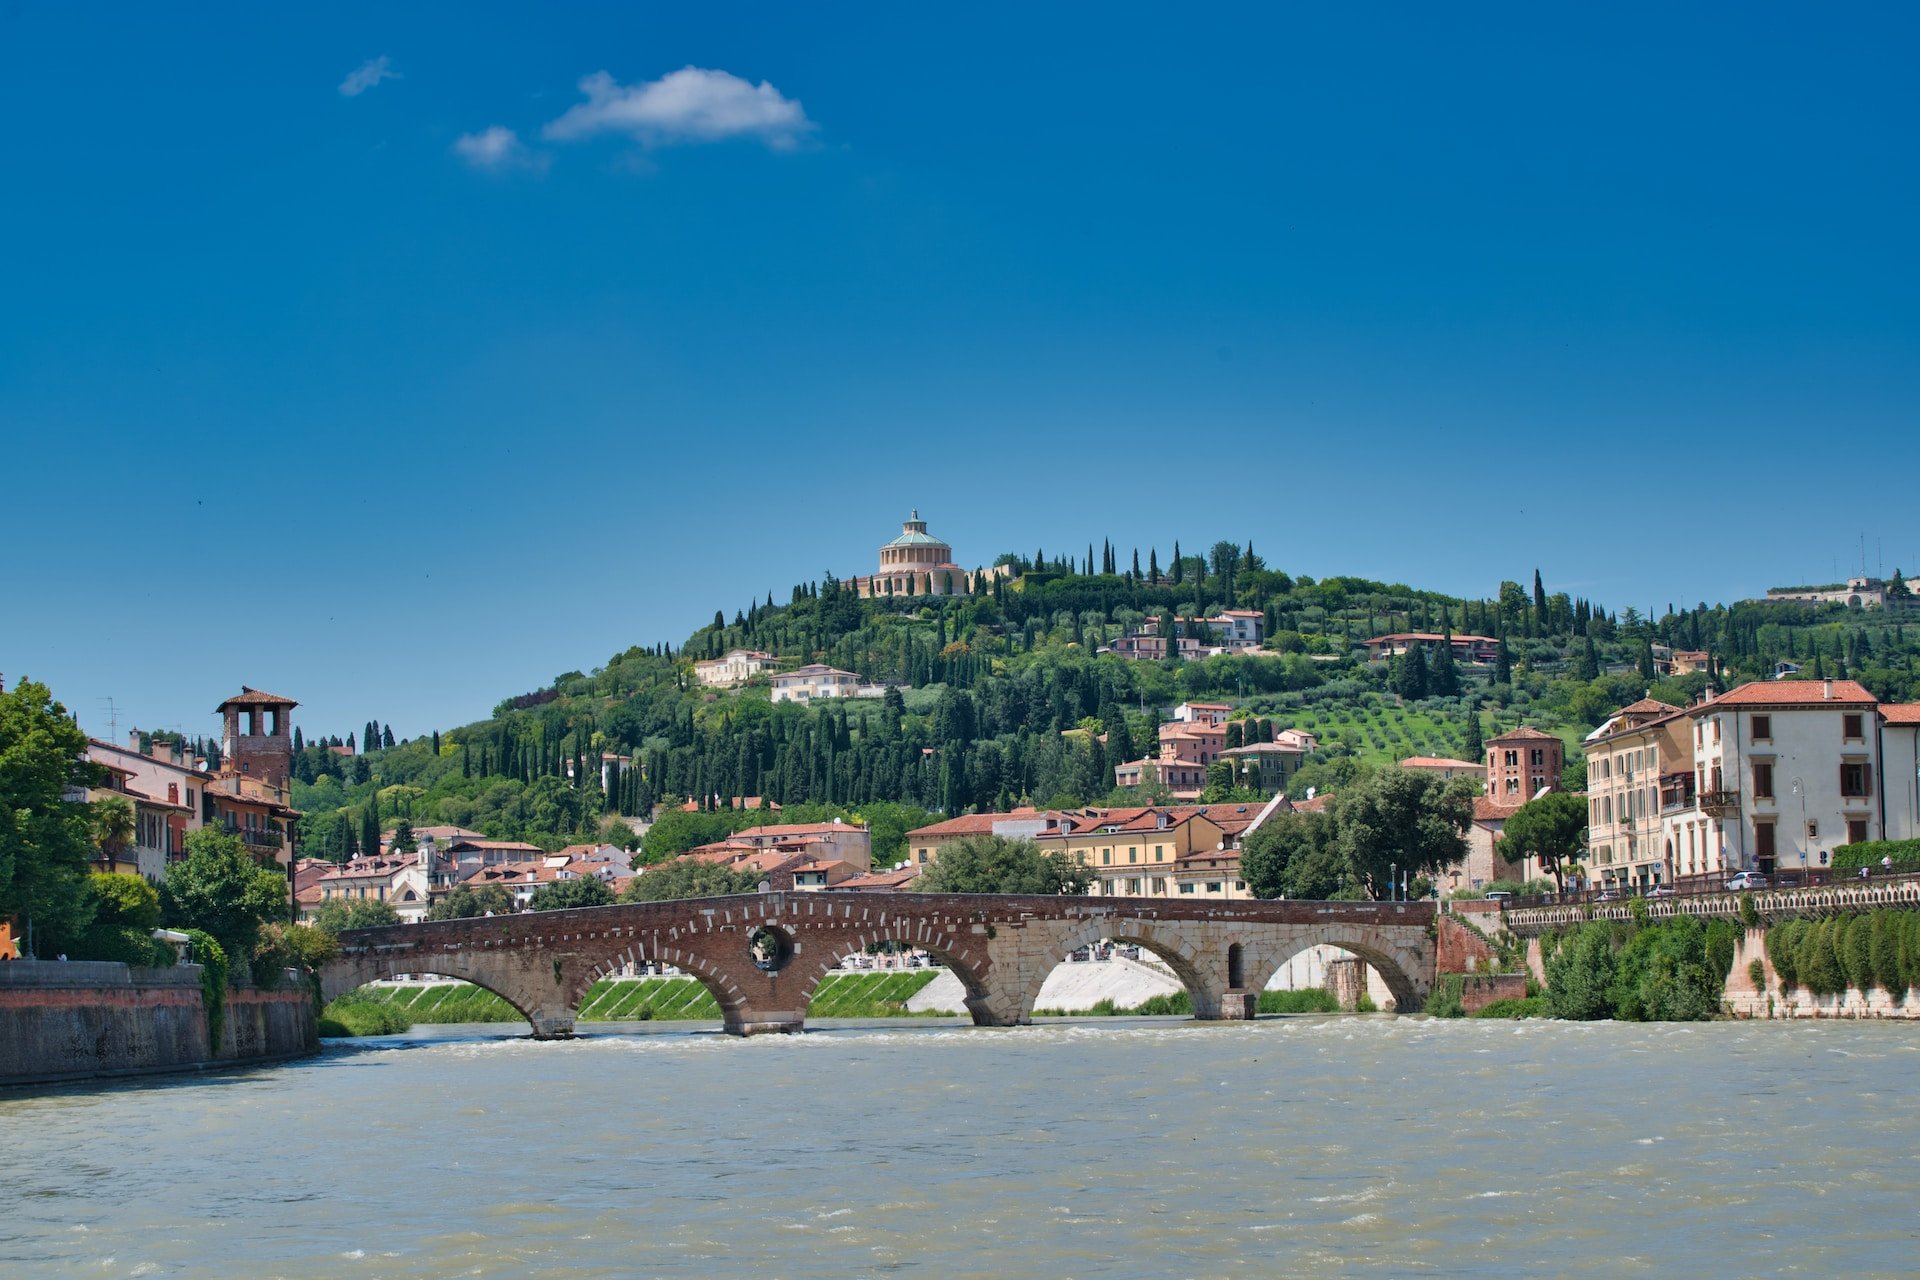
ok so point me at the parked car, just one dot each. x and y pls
(1746, 880)
(1660, 891)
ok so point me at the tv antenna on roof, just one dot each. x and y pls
(113, 719)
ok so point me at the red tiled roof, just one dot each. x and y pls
(898, 878)
(1489, 809)
(1901, 712)
(1646, 707)
(251, 697)
(1437, 762)
(975, 824)
(1525, 733)
(1792, 693)
(799, 829)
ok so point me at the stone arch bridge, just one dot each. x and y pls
(1001, 947)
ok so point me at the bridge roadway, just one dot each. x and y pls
(1001, 947)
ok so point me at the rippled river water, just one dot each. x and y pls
(1293, 1147)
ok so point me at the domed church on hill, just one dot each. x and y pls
(917, 564)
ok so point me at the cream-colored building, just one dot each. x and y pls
(918, 564)
(734, 668)
(813, 682)
(1626, 758)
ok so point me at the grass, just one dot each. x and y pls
(359, 1013)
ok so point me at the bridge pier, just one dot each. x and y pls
(548, 1025)
(1239, 1006)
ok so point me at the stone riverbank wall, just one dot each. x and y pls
(80, 1020)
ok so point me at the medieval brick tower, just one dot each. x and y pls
(257, 741)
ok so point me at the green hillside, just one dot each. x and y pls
(989, 682)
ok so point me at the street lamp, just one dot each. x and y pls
(1393, 881)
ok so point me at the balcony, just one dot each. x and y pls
(1720, 803)
(257, 837)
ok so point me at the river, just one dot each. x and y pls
(1311, 1146)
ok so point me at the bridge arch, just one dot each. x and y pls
(1204, 981)
(720, 984)
(337, 979)
(1391, 960)
(952, 952)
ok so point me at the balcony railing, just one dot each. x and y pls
(1718, 802)
(257, 837)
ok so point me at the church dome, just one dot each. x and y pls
(913, 533)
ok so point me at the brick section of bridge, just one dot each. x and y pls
(1000, 947)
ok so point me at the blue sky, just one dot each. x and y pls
(398, 358)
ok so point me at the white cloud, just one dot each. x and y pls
(366, 75)
(690, 105)
(497, 149)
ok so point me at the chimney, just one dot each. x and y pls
(1826, 690)
(133, 741)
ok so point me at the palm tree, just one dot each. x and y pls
(112, 818)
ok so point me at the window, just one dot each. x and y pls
(1159, 884)
(1850, 726)
(1813, 828)
(1213, 886)
(1855, 778)
(1513, 759)
(1856, 830)
(1186, 888)
(1106, 857)
(1133, 854)
(1159, 853)
(1763, 728)
(1763, 840)
(1763, 779)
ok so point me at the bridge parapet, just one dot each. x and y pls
(1772, 904)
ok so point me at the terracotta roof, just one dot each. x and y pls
(898, 878)
(514, 846)
(799, 829)
(1646, 707)
(1525, 733)
(252, 697)
(1437, 762)
(1901, 712)
(1316, 805)
(1792, 693)
(1264, 748)
(976, 824)
(1489, 809)
(814, 669)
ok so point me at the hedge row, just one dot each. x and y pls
(1849, 858)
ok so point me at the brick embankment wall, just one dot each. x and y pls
(1478, 990)
(77, 1021)
(1458, 949)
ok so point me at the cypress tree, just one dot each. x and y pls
(436, 744)
(1176, 569)
(1502, 665)
(370, 828)
(1475, 748)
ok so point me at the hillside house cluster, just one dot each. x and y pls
(1196, 737)
(1230, 631)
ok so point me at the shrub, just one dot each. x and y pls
(1884, 948)
(1169, 1003)
(1308, 1000)
(128, 945)
(1783, 943)
(1444, 1001)
(1515, 1007)
(212, 959)
(1856, 951)
(1818, 959)
(1721, 946)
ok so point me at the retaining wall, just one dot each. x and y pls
(77, 1020)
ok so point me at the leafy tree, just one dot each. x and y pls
(44, 846)
(124, 900)
(1552, 828)
(996, 864)
(689, 878)
(563, 895)
(1401, 819)
(1580, 974)
(1663, 975)
(464, 902)
(221, 890)
(1292, 855)
(336, 914)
